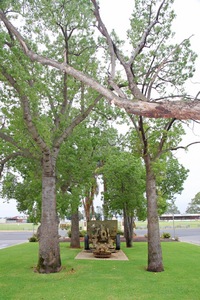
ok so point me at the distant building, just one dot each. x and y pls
(17, 219)
(180, 217)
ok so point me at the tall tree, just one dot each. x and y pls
(155, 139)
(41, 105)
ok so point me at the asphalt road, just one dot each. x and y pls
(8, 238)
(189, 235)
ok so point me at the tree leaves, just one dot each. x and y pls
(194, 205)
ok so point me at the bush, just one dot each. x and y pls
(165, 235)
(65, 226)
(82, 233)
(120, 232)
(33, 238)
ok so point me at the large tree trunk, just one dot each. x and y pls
(49, 250)
(155, 263)
(75, 239)
(128, 229)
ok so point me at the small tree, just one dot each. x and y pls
(170, 183)
(125, 186)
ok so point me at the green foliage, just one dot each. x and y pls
(125, 183)
(24, 185)
(165, 235)
(120, 232)
(61, 32)
(82, 233)
(194, 205)
(33, 239)
(170, 176)
(157, 143)
(159, 65)
(65, 226)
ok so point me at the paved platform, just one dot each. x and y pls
(118, 255)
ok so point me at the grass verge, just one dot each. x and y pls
(101, 279)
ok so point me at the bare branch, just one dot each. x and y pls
(197, 95)
(182, 147)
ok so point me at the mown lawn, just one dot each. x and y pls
(18, 227)
(100, 279)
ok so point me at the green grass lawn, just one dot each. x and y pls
(18, 227)
(101, 279)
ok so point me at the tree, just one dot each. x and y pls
(125, 186)
(42, 106)
(170, 184)
(152, 140)
(194, 205)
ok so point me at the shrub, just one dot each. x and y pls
(120, 232)
(82, 233)
(65, 226)
(165, 235)
(33, 238)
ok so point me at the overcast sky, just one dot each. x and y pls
(115, 14)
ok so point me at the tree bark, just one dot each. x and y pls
(75, 239)
(128, 229)
(49, 250)
(154, 246)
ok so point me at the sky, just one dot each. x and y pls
(116, 14)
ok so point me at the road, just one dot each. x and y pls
(11, 238)
(189, 235)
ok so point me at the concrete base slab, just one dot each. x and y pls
(118, 255)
